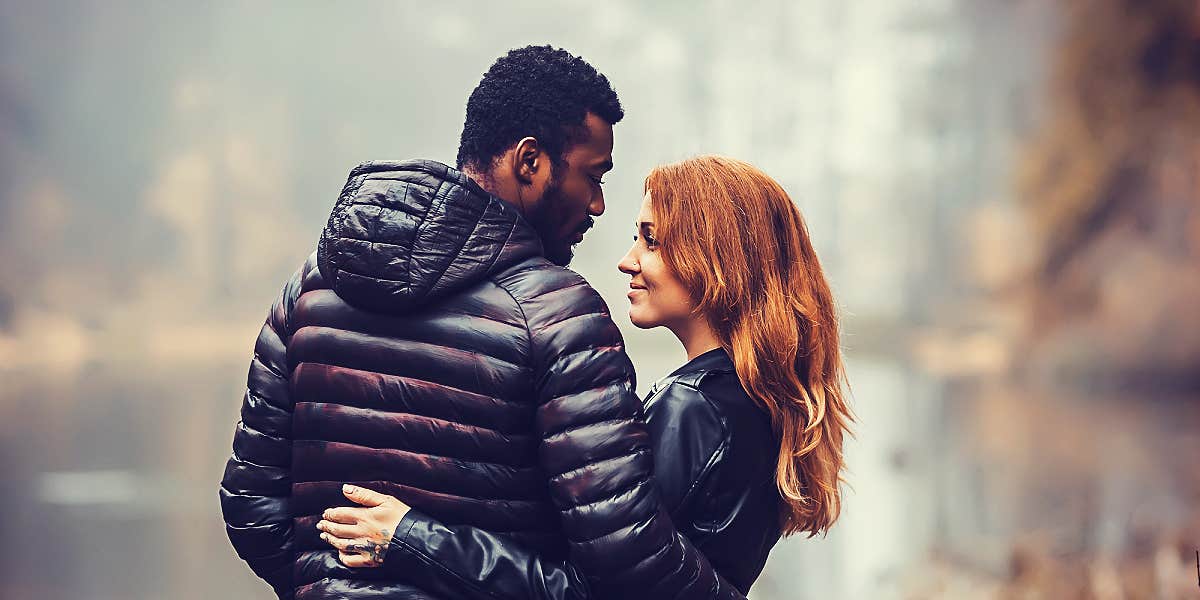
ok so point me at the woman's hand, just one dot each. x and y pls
(361, 535)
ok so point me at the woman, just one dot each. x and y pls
(747, 434)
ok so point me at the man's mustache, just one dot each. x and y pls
(586, 225)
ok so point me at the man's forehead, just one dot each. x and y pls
(599, 137)
(593, 150)
(596, 158)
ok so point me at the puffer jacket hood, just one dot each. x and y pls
(405, 233)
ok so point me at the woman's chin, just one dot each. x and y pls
(640, 321)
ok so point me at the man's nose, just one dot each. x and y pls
(596, 208)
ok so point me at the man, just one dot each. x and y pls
(435, 349)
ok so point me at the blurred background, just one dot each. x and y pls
(1004, 194)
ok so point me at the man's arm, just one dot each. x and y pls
(257, 486)
(597, 453)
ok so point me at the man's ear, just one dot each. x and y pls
(527, 159)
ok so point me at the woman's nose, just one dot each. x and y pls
(628, 264)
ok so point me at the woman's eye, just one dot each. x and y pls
(650, 241)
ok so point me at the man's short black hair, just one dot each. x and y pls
(536, 91)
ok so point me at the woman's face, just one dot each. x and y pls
(656, 297)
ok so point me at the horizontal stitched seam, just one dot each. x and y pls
(410, 341)
(414, 453)
(578, 427)
(576, 470)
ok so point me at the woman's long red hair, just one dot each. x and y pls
(739, 245)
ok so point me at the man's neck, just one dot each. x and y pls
(493, 186)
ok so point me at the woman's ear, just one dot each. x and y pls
(527, 160)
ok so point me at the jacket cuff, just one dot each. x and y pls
(403, 549)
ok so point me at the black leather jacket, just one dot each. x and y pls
(429, 351)
(714, 456)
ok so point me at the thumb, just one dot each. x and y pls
(363, 496)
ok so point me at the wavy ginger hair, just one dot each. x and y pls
(738, 244)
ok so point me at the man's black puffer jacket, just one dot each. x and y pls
(428, 351)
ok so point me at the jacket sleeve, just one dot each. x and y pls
(597, 452)
(461, 561)
(257, 486)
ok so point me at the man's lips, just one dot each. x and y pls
(583, 229)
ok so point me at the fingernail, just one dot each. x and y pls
(349, 489)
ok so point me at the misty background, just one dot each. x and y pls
(1003, 194)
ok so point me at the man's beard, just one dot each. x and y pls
(546, 221)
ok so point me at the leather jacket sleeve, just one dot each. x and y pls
(460, 561)
(256, 488)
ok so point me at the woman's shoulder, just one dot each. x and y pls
(707, 388)
(685, 383)
(689, 432)
(715, 455)
(700, 419)
(708, 391)
(683, 395)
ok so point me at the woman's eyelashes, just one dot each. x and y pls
(650, 241)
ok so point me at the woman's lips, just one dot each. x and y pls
(635, 288)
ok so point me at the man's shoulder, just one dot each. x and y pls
(559, 305)
(538, 284)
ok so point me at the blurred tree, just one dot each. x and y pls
(1112, 185)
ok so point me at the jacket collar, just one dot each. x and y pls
(713, 360)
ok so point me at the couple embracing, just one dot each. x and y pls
(438, 408)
